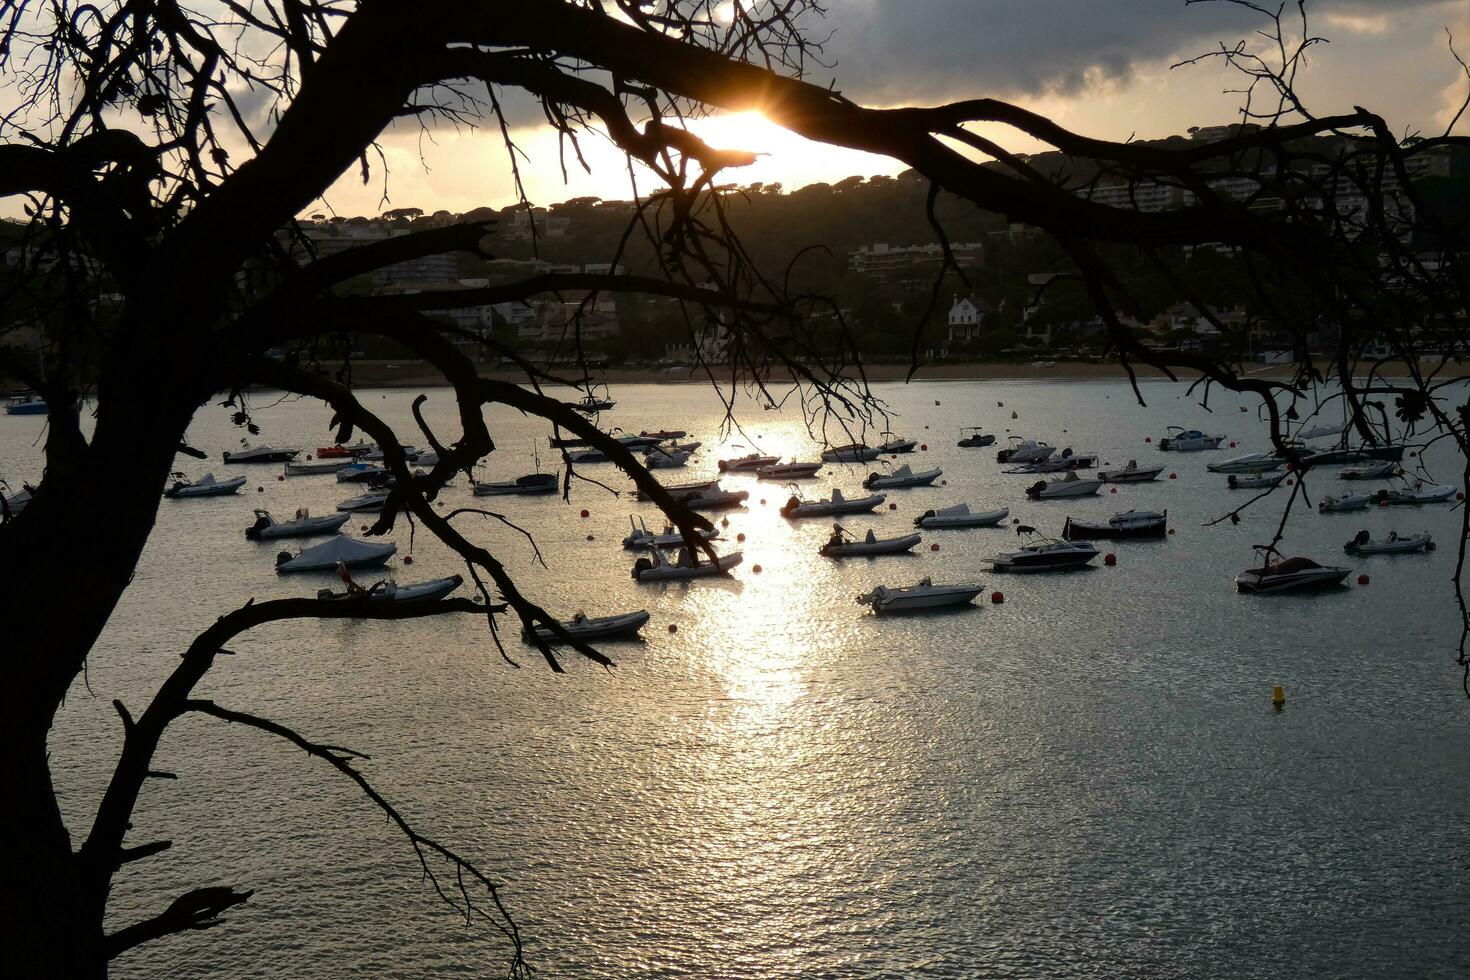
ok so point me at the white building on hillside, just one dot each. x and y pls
(966, 320)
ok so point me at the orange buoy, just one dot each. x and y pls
(585, 513)
(763, 501)
(673, 627)
(997, 597)
(756, 569)
(934, 547)
(1362, 580)
(1110, 559)
(740, 536)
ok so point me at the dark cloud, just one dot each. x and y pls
(927, 50)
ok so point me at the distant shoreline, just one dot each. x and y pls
(410, 374)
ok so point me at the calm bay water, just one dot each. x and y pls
(1088, 780)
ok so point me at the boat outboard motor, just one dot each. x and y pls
(1036, 488)
(919, 521)
(252, 533)
(1067, 453)
(1361, 539)
(790, 505)
(640, 566)
(282, 557)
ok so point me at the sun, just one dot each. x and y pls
(749, 130)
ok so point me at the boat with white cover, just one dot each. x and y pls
(1344, 503)
(586, 456)
(1321, 431)
(349, 552)
(362, 473)
(1385, 470)
(261, 454)
(1132, 473)
(853, 453)
(904, 476)
(974, 437)
(960, 515)
(1188, 441)
(1289, 575)
(788, 471)
(1254, 481)
(531, 483)
(1024, 451)
(1044, 555)
(584, 627)
(1249, 463)
(751, 461)
(893, 446)
(642, 537)
(1415, 494)
(682, 491)
(716, 498)
(655, 567)
(368, 503)
(1070, 485)
(315, 467)
(795, 507)
(390, 591)
(1128, 524)
(918, 598)
(659, 459)
(843, 545)
(303, 525)
(1394, 544)
(205, 486)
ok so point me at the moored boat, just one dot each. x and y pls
(716, 498)
(843, 545)
(664, 435)
(1044, 555)
(349, 552)
(925, 595)
(1254, 481)
(26, 403)
(1289, 575)
(356, 472)
(897, 445)
(751, 461)
(853, 453)
(788, 471)
(1070, 485)
(206, 486)
(584, 627)
(1249, 463)
(795, 507)
(682, 491)
(16, 502)
(368, 503)
(1360, 454)
(655, 567)
(303, 525)
(1344, 503)
(904, 476)
(261, 454)
(317, 466)
(390, 591)
(974, 437)
(1394, 544)
(1385, 470)
(661, 459)
(1132, 473)
(672, 537)
(1415, 494)
(1129, 524)
(1188, 440)
(1024, 451)
(960, 515)
(531, 483)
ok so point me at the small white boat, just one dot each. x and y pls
(715, 498)
(654, 567)
(642, 537)
(973, 437)
(960, 515)
(356, 472)
(1322, 431)
(917, 598)
(1068, 460)
(1129, 524)
(893, 446)
(1132, 473)
(390, 591)
(586, 456)
(1070, 485)
(1385, 470)
(369, 503)
(1394, 544)
(261, 454)
(375, 454)
(207, 486)
(1415, 494)
(1289, 575)
(1024, 451)
(795, 507)
(753, 461)
(303, 525)
(349, 552)
(788, 471)
(1188, 441)
(1045, 555)
(904, 476)
(317, 466)
(682, 491)
(659, 459)
(844, 545)
(1249, 463)
(1254, 481)
(584, 627)
(1343, 503)
(854, 453)
(531, 483)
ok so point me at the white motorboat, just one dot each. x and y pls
(205, 486)
(904, 476)
(317, 466)
(1385, 470)
(1044, 555)
(531, 483)
(655, 567)
(586, 456)
(682, 491)
(1132, 473)
(261, 454)
(795, 507)
(1024, 451)
(591, 404)
(362, 473)
(1129, 524)
(853, 453)
(960, 515)
(1394, 544)
(349, 552)
(1414, 494)
(752, 461)
(1068, 460)
(375, 454)
(368, 503)
(1289, 575)
(642, 537)
(917, 598)
(303, 525)
(715, 498)
(844, 545)
(390, 591)
(659, 459)
(1343, 503)
(1254, 481)
(584, 627)
(1249, 463)
(1188, 441)
(1070, 485)
(893, 446)
(788, 471)
(1322, 431)
(973, 437)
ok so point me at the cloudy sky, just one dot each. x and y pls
(1101, 68)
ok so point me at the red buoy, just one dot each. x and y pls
(1232, 445)
(924, 447)
(673, 627)
(1459, 494)
(281, 477)
(997, 597)
(1362, 580)
(756, 569)
(408, 559)
(1110, 559)
(1148, 438)
(1173, 476)
(893, 506)
(934, 547)
(1290, 481)
(1112, 489)
(763, 501)
(585, 513)
(308, 456)
(740, 536)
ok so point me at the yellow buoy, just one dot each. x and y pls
(1278, 697)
